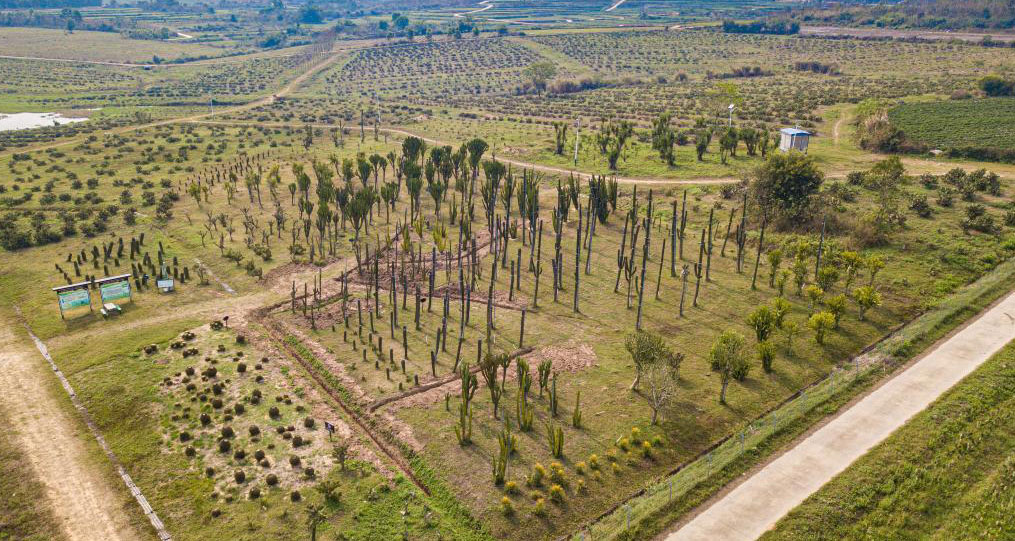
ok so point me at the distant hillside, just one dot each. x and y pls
(926, 14)
(48, 4)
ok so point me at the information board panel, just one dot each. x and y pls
(114, 291)
(73, 299)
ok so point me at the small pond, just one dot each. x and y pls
(24, 121)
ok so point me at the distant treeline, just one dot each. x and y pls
(927, 14)
(781, 27)
(48, 4)
(70, 19)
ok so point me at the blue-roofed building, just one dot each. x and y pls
(794, 139)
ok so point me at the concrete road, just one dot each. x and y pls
(753, 507)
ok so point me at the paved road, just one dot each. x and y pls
(753, 507)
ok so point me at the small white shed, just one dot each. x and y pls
(793, 139)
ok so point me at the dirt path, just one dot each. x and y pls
(84, 502)
(486, 5)
(835, 130)
(616, 5)
(756, 505)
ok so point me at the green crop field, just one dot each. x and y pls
(984, 123)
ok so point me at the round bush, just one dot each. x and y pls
(272, 479)
(216, 403)
(240, 454)
(259, 454)
(227, 432)
(295, 496)
(239, 476)
(190, 451)
(274, 413)
(308, 422)
(209, 471)
(294, 461)
(184, 436)
(224, 446)
(241, 368)
(254, 430)
(255, 493)
(205, 419)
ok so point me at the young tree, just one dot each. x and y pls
(774, 260)
(766, 354)
(315, 516)
(728, 359)
(820, 323)
(836, 306)
(866, 298)
(815, 294)
(791, 329)
(762, 320)
(340, 452)
(647, 349)
(660, 386)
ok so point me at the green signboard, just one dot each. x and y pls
(73, 299)
(115, 290)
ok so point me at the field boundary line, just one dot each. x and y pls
(153, 517)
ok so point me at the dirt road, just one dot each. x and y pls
(86, 504)
(756, 505)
